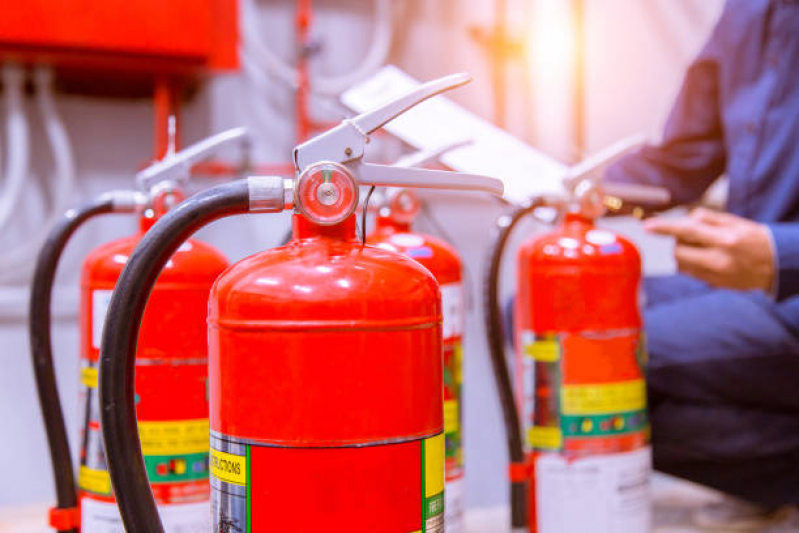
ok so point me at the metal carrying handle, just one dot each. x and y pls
(177, 166)
(592, 170)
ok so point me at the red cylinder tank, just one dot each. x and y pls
(171, 372)
(443, 262)
(326, 389)
(579, 373)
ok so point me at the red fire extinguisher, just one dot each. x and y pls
(393, 231)
(171, 400)
(325, 369)
(577, 428)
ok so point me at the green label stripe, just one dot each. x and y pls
(434, 505)
(176, 468)
(424, 480)
(249, 491)
(453, 444)
(604, 425)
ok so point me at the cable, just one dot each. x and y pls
(14, 263)
(17, 139)
(42, 350)
(118, 348)
(364, 213)
(499, 363)
(257, 51)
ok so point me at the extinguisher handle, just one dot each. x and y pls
(177, 166)
(121, 331)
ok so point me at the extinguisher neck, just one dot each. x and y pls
(146, 221)
(577, 219)
(390, 224)
(302, 228)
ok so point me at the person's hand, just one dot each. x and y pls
(722, 249)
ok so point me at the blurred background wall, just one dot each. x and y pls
(533, 74)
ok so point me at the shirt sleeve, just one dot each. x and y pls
(691, 154)
(785, 238)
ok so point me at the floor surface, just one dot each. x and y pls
(675, 504)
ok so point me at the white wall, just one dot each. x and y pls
(637, 50)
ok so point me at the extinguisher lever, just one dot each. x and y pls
(591, 172)
(347, 141)
(177, 166)
(393, 176)
(379, 117)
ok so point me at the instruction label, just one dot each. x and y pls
(174, 437)
(604, 398)
(561, 402)
(601, 494)
(229, 468)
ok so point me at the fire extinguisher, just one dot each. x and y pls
(170, 363)
(325, 368)
(393, 231)
(577, 427)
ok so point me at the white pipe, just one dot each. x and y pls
(16, 264)
(374, 59)
(256, 51)
(17, 141)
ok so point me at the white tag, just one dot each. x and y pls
(452, 309)
(100, 301)
(103, 517)
(600, 494)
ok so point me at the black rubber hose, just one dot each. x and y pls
(42, 349)
(499, 363)
(118, 347)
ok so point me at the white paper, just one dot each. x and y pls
(439, 122)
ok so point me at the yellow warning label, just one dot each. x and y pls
(228, 467)
(97, 481)
(548, 438)
(451, 422)
(546, 351)
(603, 398)
(458, 363)
(174, 437)
(89, 377)
(433, 466)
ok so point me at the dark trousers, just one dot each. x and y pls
(723, 378)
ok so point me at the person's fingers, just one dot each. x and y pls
(713, 218)
(685, 230)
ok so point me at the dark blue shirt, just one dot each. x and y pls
(737, 114)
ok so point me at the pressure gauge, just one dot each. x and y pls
(326, 193)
